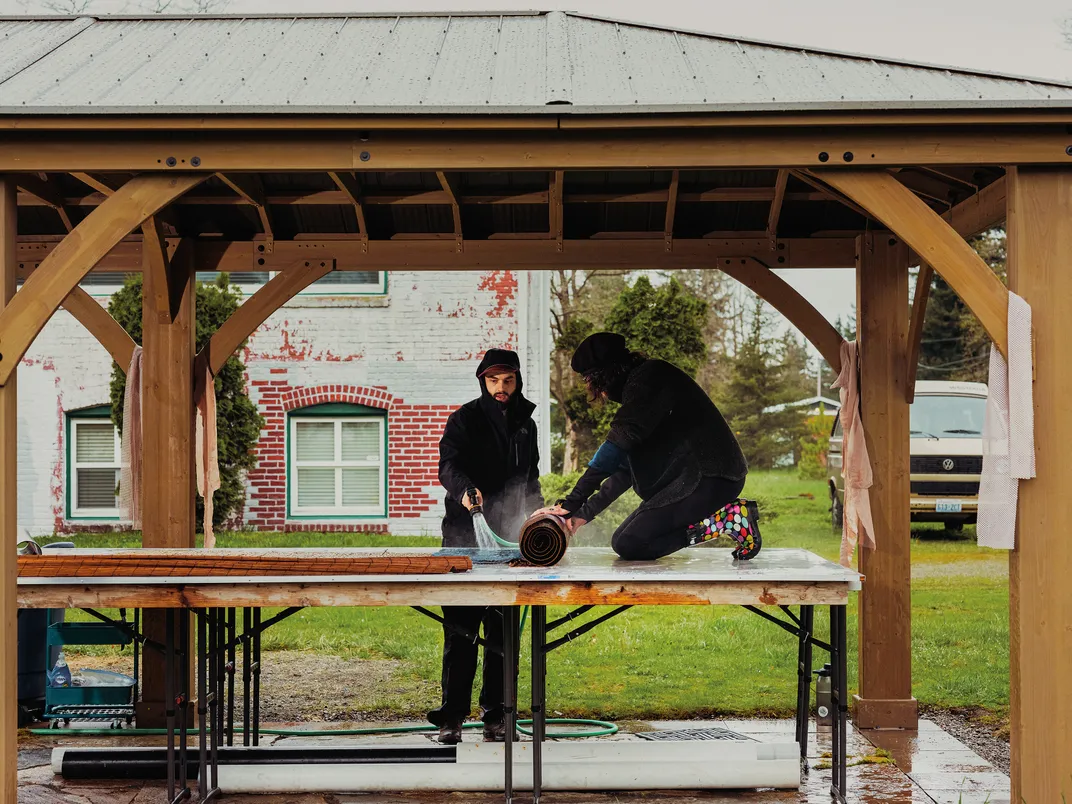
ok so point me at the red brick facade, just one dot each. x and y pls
(413, 433)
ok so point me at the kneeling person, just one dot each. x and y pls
(672, 445)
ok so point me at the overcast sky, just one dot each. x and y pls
(1021, 38)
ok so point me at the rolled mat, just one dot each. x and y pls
(544, 539)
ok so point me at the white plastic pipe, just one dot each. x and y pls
(595, 765)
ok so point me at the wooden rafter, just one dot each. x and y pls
(75, 256)
(101, 186)
(776, 203)
(92, 315)
(249, 187)
(671, 208)
(810, 180)
(48, 194)
(156, 261)
(280, 289)
(934, 241)
(984, 210)
(770, 287)
(455, 207)
(556, 213)
(915, 325)
(350, 187)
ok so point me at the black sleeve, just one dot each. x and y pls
(452, 446)
(584, 488)
(613, 488)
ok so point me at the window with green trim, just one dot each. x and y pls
(337, 462)
(93, 463)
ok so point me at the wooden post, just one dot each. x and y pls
(1040, 596)
(885, 686)
(9, 435)
(168, 443)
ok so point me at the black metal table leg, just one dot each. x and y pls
(169, 698)
(183, 702)
(203, 651)
(539, 696)
(510, 628)
(247, 677)
(256, 677)
(230, 667)
(840, 688)
(217, 630)
(804, 649)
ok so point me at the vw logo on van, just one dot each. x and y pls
(948, 464)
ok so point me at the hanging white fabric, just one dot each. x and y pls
(130, 461)
(206, 457)
(1008, 432)
(857, 524)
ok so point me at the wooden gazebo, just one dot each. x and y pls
(303, 145)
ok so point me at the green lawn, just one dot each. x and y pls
(676, 662)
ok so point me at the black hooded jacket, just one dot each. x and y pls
(494, 450)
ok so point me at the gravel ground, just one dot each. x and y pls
(988, 740)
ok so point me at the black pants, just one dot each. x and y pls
(650, 533)
(459, 665)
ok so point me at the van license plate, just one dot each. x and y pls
(947, 506)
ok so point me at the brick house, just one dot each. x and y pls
(354, 396)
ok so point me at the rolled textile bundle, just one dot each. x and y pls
(544, 539)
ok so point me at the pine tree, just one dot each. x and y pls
(237, 421)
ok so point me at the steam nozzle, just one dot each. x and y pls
(475, 500)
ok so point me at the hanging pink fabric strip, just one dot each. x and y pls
(131, 445)
(856, 463)
(207, 449)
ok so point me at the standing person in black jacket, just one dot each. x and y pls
(488, 445)
(672, 445)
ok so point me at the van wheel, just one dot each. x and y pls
(837, 512)
(956, 527)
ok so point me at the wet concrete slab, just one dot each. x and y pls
(927, 766)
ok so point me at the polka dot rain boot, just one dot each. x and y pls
(739, 520)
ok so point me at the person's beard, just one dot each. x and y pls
(504, 401)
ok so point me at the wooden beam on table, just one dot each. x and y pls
(255, 310)
(885, 620)
(564, 149)
(770, 287)
(9, 523)
(92, 315)
(74, 257)
(934, 241)
(915, 333)
(250, 188)
(671, 208)
(455, 208)
(1039, 229)
(776, 203)
(350, 187)
(49, 194)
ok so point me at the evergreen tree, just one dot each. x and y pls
(237, 421)
(759, 379)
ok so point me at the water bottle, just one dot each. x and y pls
(61, 673)
(824, 694)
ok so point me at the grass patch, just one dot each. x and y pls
(678, 662)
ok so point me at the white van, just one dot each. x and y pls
(946, 422)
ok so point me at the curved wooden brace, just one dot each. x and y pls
(934, 240)
(91, 315)
(253, 312)
(774, 290)
(75, 256)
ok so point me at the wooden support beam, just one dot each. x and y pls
(167, 444)
(811, 180)
(983, 211)
(9, 526)
(564, 149)
(1039, 229)
(250, 188)
(101, 186)
(776, 203)
(95, 318)
(885, 686)
(351, 188)
(915, 332)
(255, 310)
(780, 295)
(155, 261)
(75, 256)
(934, 241)
(455, 208)
(555, 210)
(671, 209)
(48, 194)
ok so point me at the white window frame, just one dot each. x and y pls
(338, 510)
(378, 288)
(77, 512)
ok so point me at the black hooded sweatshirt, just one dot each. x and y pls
(492, 448)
